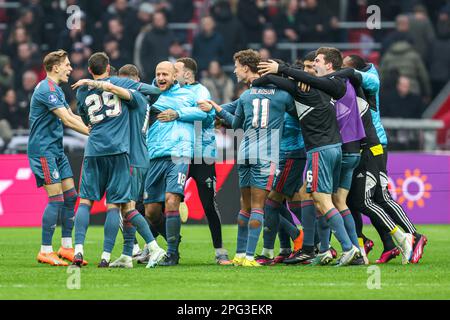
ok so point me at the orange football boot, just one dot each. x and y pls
(51, 259)
(68, 254)
(298, 242)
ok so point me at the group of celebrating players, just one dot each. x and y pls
(313, 147)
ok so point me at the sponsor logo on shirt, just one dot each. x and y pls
(52, 99)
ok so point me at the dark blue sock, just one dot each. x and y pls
(81, 223)
(50, 218)
(111, 229)
(283, 236)
(271, 223)
(324, 233)
(316, 231)
(241, 244)
(254, 230)
(350, 226)
(296, 209)
(336, 223)
(68, 213)
(173, 226)
(137, 220)
(288, 224)
(129, 232)
(309, 222)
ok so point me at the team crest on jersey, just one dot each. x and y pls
(55, 174)
(52, 99)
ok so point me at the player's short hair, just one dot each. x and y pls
(54, 58)
(98, 63)
(357, 62)
(310, 56)
(331, 55)
(249, 58)
(129, 70)
(189, 63)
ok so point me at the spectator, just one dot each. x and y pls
(287, 21)
(27, 59)
(31, 23)
(180, 11)
(440, 53)
(145, 15)
(68, 37)
(18, 35)
(401, 102)
(176, 51)
(208, 44)
(218, 83)
(127, 16)
(401, 33)
(11, 112)
(269, 42)
(6, 73)
(253, 16)
(402, 57)
(422, 31)
(155, 45)
(77, 58)
(113, 50)
(29, 82)
(123, 39)
(230, 28)
(264, 54)
(316, 24)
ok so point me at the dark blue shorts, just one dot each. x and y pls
(110, 174)
(165, 176)
(323, 167)
(260, 175)
(290, 176)
(49, 170)
(349, 162)
(138, 176)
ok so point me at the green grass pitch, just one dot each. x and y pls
(197, 277)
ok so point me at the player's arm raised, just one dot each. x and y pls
(71, 121)
(122, 93)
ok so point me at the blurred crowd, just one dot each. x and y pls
(414, 61)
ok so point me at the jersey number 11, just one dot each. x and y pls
(262, 104)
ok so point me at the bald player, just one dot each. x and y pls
(170, 143)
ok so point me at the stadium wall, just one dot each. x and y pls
(420, 182)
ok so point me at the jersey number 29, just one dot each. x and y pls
(95, 102)
(262, 104)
